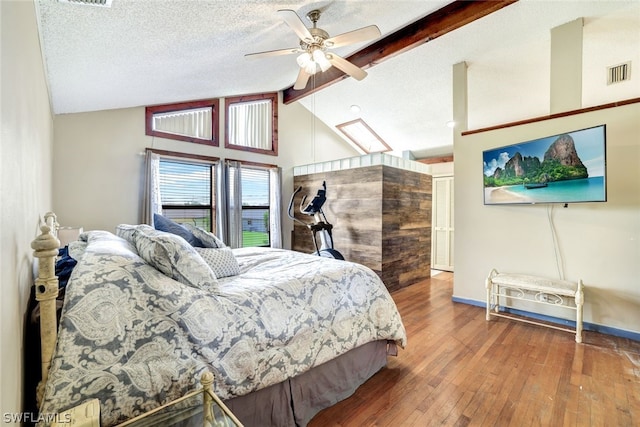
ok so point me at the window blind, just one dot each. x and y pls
(184, 183)
(196, 123)
(250, 124)
(255, 187)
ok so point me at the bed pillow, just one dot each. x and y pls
(221, 261)
(165, 224)
(126, 231)
(174, 257)
(208, 240)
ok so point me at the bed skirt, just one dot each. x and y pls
(296, 401)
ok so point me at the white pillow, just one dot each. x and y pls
(221, 261)
(174, 257)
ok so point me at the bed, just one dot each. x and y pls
(145, 314)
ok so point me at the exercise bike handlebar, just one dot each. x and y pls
(314, 207)
(291, 206)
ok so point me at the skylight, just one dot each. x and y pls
(363, 136)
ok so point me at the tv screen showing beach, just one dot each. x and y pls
(563, 168)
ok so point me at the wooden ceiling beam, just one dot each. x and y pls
(432, 26)
(432, 160)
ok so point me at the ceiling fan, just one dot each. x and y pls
(314, 47)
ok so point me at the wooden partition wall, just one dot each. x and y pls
(381, 217)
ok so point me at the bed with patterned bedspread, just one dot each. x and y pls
(145, 315)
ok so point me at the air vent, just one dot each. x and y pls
(619, 73)
(101, 3)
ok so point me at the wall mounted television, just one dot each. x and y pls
(564, 168)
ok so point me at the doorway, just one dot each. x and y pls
(442, 224)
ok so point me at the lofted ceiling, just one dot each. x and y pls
(145, 52)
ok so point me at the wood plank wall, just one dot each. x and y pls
(381, 217)
(406, 227)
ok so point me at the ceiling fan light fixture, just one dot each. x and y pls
(304, 59)
(311, 61)
(320, 58)
(311, 68)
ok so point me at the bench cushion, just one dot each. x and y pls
(535, 283)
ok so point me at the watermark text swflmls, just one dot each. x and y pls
(30, 417)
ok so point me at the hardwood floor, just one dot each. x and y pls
(458, 370)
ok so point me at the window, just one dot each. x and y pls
(195, 121)
(365, 139)
(186, 191)
(238, 201)
(252, 123)
(255, 209)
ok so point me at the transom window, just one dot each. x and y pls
(195, 121)
(251, 123)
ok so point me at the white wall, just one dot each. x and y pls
(598, 242)
(441, 169)
(25, 182)
(97, 171)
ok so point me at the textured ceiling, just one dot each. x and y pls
(145, 52)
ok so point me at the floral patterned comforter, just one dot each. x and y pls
(135, 338)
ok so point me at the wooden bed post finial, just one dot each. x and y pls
(45, 248)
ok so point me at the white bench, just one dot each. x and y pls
(504, 287)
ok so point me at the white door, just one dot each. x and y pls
(442, 230)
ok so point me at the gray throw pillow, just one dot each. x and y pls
(221, 261)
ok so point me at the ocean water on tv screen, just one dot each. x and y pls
(576, 190)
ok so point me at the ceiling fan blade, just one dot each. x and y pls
(355, 36)
(293, 20)
(346, 66)
(277, 52)
(301, 81)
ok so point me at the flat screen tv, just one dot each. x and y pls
(564, 168)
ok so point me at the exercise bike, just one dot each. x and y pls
(320, 224)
